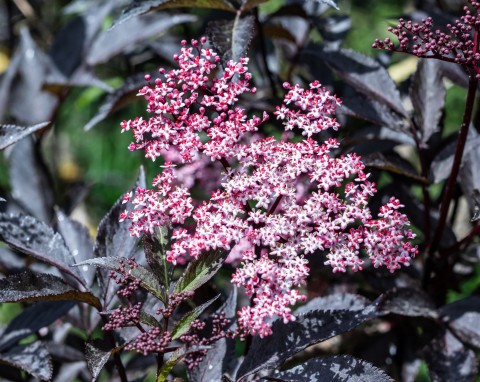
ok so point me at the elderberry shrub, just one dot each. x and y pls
(299, 194)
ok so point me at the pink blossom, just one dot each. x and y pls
(276, 201)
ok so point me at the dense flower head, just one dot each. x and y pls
(276, 201)
(456, 44)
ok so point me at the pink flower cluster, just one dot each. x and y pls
(277, 200)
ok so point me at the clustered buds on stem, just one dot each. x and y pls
(456, 44)
(277, 200)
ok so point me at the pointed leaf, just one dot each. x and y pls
(10, 134)
(428, 97)
(394, 164)
(408, 302)
(183, 325)
(31, 319)
(231, 38)
(66, 50)
(167, 367)
(308, 329)
(143, 6)
(155, 252)
(29, 103)
(449, 360)
(96, 358)
(340, 301)
(340, 368)
(115, 41)
(114, 239)
(31, 181)
(29, 287)
(28, 235)
(32, 358)
(366, 75)
(119, 98)
(146, 277)
(200, 270)
(463, 317)
(79, 242)
(368, 109)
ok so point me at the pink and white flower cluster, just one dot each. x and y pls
(277, 200)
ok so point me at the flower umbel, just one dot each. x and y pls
(277, 200)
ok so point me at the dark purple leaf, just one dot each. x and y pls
(393, 164)
(470, 181)
(454, 73)
(221, 356)
(368, 109)
(97, 356)
(340, 368)
(32, 358)
(31, 181)
(31, 319)
(30, 287)
(121, 97)
(231, 38)
(366, 75)
(333, 29)
(141, 7)
(6, 82)
(408, 302)
(463, 318)
(66, 50)
(449, 360)
(441, 166)
(114, 239)
(115, 41)
(341, 301)
(28, 102)
(10, 134)
(32, 237)
(428, 97)
(78, 241)
(308, 329)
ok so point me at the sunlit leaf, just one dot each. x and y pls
(231, 38)
(200, 270)
(183, 325)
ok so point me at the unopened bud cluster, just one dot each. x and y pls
(455, 44)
